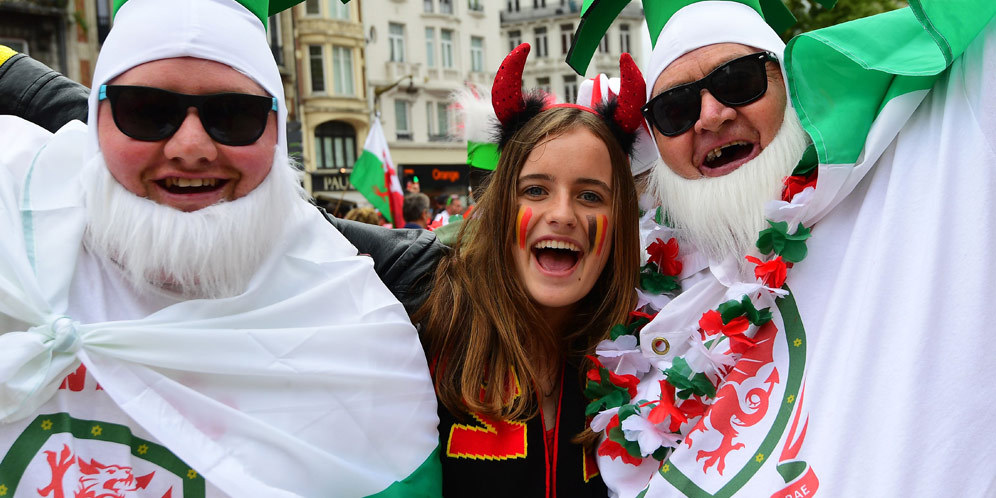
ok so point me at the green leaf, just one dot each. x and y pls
(703, 386)
(658, 283)
(730, 310)
(659, 217)
(794, 251)
(617, 331)
(661, 453)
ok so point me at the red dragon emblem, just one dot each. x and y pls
(728, 412)
(96, 479)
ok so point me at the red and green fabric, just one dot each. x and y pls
(375, 177)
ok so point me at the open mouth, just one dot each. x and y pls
(556, 256)
(176, 185)
(727, 154)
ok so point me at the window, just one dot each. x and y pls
(603, 46)
(428, 6)
(476, 54)
(543, 84)
(335, 145)
(475, 5)
(396, 39)
(445, 6)
(539, 4)
(430, 47)
(338, 11)
(401, 126)
(540, 34)
(316, 58)
(342, 70)
(570, 88)
(566, 33)
(276, 45)
(446, 47)
(311, 7)
(513, 5)
(443, 118)
(624, 38)
(514, 39)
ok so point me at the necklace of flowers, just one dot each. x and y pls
(635, 429)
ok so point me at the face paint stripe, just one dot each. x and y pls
(603, 222)
(522, 224)
(592, 231)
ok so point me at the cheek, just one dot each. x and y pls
(677, 152)
(126, 159)
(522, 225)
(598, 233)
(254, 161)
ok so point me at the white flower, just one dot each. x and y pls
(656, 301)
(708, 360)
(623, 356)
(601, 420)
(650, 436)
(794, 212)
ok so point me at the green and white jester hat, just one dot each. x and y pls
(680, 26)
(227, 31)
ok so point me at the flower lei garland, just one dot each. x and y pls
(635, 429)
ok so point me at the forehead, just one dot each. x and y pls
(176, 74)
(570, 156)
(698, 63)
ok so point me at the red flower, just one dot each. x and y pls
(666, 407)
(772, 273)
(640, 314)
(796, 184)
(627, 382)
(712, 323)
(692, 407)
(665, 256)
(613, 449)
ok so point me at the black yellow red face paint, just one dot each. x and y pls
(597, 228)
(522, 225)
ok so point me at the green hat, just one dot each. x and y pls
(597, 16)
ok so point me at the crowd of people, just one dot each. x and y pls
(788, 299)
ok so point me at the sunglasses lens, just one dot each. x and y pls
(739, 82)
(675, 110)
(146, 113)
(236, 119)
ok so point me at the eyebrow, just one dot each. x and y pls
(549, 178)
(685, 82)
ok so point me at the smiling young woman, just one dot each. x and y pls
(548, 265)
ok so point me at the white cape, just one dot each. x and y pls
(311, 383)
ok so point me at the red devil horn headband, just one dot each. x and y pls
(514, 110)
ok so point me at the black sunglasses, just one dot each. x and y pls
(152, 114)
(738, 82)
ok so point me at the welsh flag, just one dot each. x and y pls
(374, 176)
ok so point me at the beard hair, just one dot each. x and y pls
(209, 253)
(722, 216)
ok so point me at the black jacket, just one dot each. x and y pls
(405, 260)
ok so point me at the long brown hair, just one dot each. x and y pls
(478, 323)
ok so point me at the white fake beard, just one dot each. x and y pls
(209, 253)
(722, 216)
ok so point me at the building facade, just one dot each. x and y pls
(63, 34)
(418, 53)
(330, 90)
(549, 26)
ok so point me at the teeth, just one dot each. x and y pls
(718, 151)
(556, 244)
(173, 181)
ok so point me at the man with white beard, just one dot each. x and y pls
(175, 318)
(824, 332)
